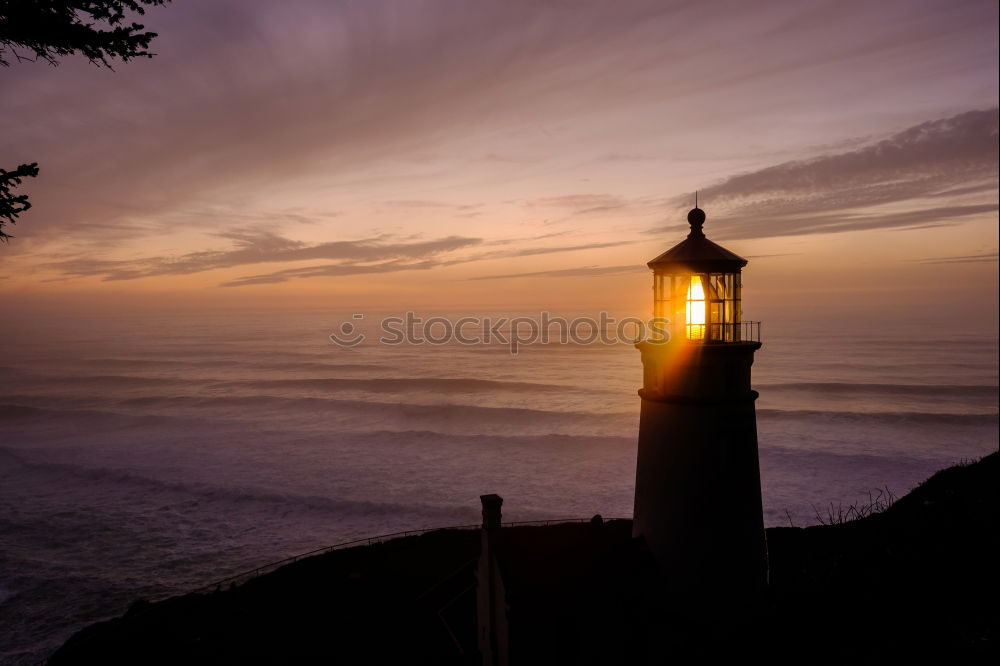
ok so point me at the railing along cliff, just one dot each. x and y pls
(369, 541)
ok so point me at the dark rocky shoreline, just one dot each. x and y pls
(916, 583)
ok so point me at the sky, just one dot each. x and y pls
(447, 154)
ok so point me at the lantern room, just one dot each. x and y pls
(696, 287)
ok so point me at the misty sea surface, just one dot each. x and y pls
(145, 456)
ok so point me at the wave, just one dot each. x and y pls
(398, 385)
(100, 380)
(988, 343)
(450, 414)
(467, 443)
(347, 418)
(248, 361)
(12, 411)
(316, 367)
(121, 478)
(433, 416)
(873, 418)
(950, 390)
(230, 352)
(870, 366)
(129, 363)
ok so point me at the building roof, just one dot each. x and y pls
(697, 254)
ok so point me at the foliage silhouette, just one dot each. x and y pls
(32, 30)
(52, 28)
(12, 205)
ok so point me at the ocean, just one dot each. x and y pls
(143, 456)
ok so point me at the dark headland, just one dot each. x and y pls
(916, 583)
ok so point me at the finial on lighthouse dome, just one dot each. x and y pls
(696, 218)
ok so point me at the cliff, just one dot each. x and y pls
(915, 583)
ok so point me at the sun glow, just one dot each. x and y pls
(696, 309)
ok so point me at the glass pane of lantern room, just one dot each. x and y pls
(657, 294)
(695, 310)
(717, 285)
(717, 327)
(678, 286)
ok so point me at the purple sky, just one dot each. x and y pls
(512, 154)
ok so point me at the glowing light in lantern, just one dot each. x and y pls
(696, 309)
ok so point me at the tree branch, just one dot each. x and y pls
(12, 205)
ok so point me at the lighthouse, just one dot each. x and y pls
(697, 482)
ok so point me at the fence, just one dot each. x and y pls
(369, 541)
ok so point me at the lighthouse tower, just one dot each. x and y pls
(697, 481)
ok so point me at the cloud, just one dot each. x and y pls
(986, 257)
(581, 203)
(952, 159)
(421, 203)
(396, 265)
(353, 257)
(778, 223)
(331, 270)
(583, 271)
(267, 113)
(381, 254)
(569, 207)
(247, 95)
(531, 251)
(628, 157)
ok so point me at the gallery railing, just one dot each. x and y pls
(743, 331)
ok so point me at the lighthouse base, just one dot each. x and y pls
(697, 491)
